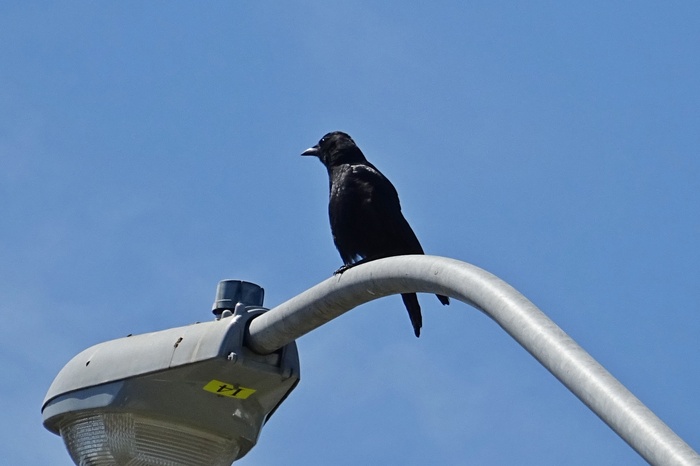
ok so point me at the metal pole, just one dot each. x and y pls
(529, 326)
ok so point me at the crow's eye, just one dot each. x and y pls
(322, 141)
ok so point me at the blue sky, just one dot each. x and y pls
(148, 150)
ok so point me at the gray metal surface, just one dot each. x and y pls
(550, 345)
(199, 377)
(141, 354)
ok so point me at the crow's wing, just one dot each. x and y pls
(365, 215)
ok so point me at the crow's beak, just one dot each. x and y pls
(311, 151)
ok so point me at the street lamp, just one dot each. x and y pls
(148, 400)
(191, 395)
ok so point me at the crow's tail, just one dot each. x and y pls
(443, 299)
(410, 300)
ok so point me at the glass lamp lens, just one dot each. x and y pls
(124, 439)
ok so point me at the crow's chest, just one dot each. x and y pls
(351, 196)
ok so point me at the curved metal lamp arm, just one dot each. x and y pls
(521, 319)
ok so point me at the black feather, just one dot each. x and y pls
(365, 212)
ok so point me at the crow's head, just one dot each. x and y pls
(335, 149)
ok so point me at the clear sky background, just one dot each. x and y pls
(150, 149)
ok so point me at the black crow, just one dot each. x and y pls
(365, 213)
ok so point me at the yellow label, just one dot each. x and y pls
(226, 389)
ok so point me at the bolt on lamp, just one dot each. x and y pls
(192, 395)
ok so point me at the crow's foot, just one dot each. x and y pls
(342, 269)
